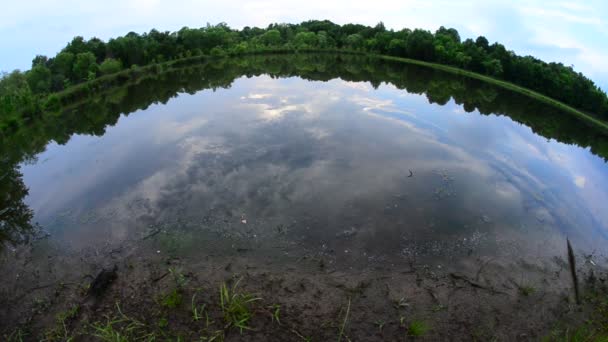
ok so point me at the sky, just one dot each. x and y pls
(571, 32)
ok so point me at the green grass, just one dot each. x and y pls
(417, 329)
(580, 334)
(526, 290)
(107, 333)
(594, 327)
(236, 306)
(15, 336)
(61, 331)
(163, 323)
(197, 310)
(172, 299)
(121, 328)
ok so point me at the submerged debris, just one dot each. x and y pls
(102, 282)
(352, 231)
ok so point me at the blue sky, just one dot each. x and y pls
(572, 32)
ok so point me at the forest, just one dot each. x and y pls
(24, 94)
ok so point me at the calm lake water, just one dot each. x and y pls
(359, 159)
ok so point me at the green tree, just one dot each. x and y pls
(397, 47)
(493, 67)
(39, 79)
(110, 66)
(63, 64)
(76, 46)
(482, 42)
(85, 63)
(40, 59)
(324, 40)
(271, 37)
(305, 39)
(354, 41)
(420, 45)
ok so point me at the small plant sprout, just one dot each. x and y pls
(173, 299)
(163, 323)
(236, 306)
(526, 290)
(401, 303)
(197, 311)
(402, 321)
(417, 328)
(439, 307)
(178, 277)
(380, 324)
(275, 311)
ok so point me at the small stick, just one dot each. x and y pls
(151, 234)
(344, 323)
(160, 277)
(572, 263)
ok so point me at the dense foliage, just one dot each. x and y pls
(83, 60)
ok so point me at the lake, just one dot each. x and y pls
(293, 162)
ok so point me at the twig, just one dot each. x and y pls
(474, 283)
(298, 334)
(160, 277)
(344, 323)
(482, 267)
(572, 263)
(151, 234)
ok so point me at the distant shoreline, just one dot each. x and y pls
(75, 94)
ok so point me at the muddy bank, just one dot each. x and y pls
(46, 295)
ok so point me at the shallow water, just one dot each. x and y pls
(315, 155)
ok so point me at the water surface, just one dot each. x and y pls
(360, 160)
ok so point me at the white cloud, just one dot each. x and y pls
(561, 15)
(580, 181)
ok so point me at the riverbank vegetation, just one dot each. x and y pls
(23, 94)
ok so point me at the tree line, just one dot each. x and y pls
(84, 60)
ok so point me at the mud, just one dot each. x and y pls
(476, 298)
